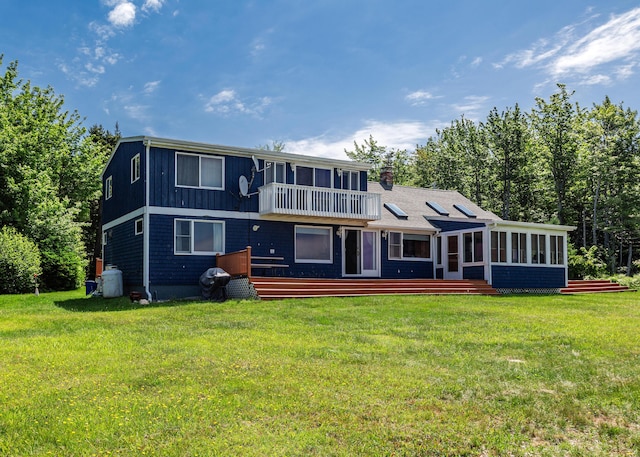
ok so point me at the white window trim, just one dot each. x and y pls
(529, 261)
(191, 237)
(141, 222)
(313, 176)
(135, 168)
(473, 241)
(402, 257)
(108, 188)
(295, 246)
(273, 165)
(200, 156)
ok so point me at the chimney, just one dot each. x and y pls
(386, 177)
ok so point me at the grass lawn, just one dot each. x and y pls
(427, 375)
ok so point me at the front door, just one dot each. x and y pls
(361, 253)
(452, 268)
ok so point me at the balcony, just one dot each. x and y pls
(305, 201)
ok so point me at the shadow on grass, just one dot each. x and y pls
(100, 304)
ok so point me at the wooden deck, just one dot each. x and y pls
(593, 286)
(277, 288)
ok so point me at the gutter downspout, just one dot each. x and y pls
(145, 219)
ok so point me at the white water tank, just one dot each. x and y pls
(112, 283)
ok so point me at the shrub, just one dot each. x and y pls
(19, 262)
(586, 263)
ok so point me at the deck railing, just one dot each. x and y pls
(289, 199)
(236, 263)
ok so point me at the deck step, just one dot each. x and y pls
(593, 286)
(276, 288)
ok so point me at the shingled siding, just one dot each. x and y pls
(124, 250)
(127, 196)
(474, 272)
(164, 192)
(514, 277)
(166, 268)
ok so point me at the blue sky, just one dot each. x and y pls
(317, 75)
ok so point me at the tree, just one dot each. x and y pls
(378, 156)
(554, 127)
(43, 180)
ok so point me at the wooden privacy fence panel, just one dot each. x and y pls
(236, 263)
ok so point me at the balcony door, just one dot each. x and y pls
(361, 253)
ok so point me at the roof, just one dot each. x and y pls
(413, 201)
(206, 148)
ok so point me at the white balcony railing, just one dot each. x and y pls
(289, 199)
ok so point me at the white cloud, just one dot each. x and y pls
(228, 102)
(393, 135)
(151, 87)
(154, 5)
(419, 97)
(476, 62)
(569, 53)
(123, 14)
(470, 106)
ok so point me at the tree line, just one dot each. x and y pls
(559, 163)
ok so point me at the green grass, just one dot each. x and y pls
(430, 375)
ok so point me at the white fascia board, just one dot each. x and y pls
(532, 226)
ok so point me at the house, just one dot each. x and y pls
(171, 206)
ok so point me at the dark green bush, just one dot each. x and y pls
(19, 262)
(586, 263)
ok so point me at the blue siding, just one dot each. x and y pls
(475, 272)
(404, 269)
(166, 268)
(165, 193)
(124, 250)
(515, 277)
(127, 196)
(450, 226)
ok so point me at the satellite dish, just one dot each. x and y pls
(244, 186)
(256, 163)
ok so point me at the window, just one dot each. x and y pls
(498, 246)
(396, 210)
(275, 172)
(350, 180)
(473, 248)
(538, 248)
(464, 210)
(409, 246)
(313, 244)
(439, 250)
(438, 208)
(139, 226)
(108, 188)
(518, 248)
(194, 170)
(104, 238)
(556, 250)
(198, 237)
(317, 177)
(135, 168)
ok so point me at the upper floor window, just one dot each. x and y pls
(409, 246)
(108, 188)
(309, 176)
(135, 168)
(556, 250)
(193, 170)
(350, 180)
(198, 237)
(275, 172)
(473, 247)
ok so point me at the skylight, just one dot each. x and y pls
(464, 210)
(437, 207)
(396, 210)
